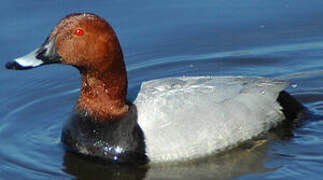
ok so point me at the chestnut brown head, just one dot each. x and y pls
(83, 40)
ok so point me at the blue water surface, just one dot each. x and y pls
(279, 39)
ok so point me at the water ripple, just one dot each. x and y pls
(259, 51)
(31, 103)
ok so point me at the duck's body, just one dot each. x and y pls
(172, 119)
(188, 117)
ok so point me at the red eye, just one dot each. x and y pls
(79, 32)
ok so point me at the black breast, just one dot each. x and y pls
(120, 141)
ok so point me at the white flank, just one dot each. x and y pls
(190, 117)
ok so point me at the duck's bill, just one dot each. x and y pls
(46, 54)
(26, 62)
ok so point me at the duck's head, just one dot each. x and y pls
(87, 42)
(83, 40)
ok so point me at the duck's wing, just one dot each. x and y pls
(189, 117)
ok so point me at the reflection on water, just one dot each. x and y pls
(247, 158)
(243, 160)
(83, 168)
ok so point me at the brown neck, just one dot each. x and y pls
(104, 91)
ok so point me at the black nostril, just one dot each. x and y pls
(40, 54)
(14, 65)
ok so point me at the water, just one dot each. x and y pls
(279, 39)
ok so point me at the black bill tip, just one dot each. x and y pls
(16, 66)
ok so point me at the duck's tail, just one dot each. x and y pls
(292, 109)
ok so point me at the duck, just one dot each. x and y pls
(173, 119)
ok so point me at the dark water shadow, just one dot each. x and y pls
(85, 168)
(245, 159)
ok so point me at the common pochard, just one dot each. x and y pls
(172, 119)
